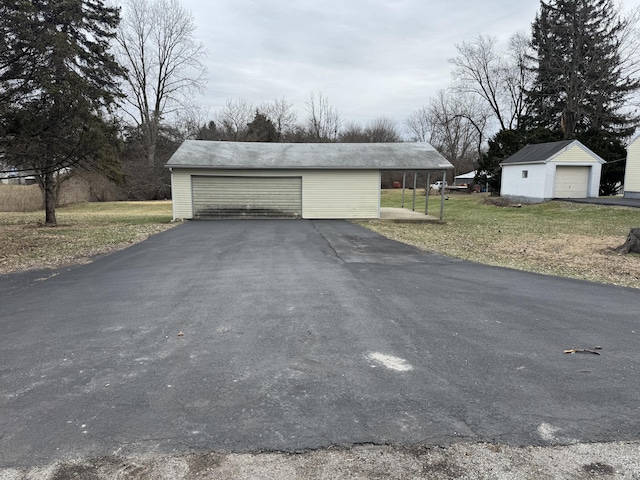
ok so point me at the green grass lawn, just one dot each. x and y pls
(559, 238)
(83, 231)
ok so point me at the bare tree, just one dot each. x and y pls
(234, 117)
(281, 114)
(455, 125)
(629, 48)
(382, 130)
(353, 133)
(190, 120)
(630, 43)
(419, 125)
(500, 78)
(164, 62)
(324, 120)
(379, 130)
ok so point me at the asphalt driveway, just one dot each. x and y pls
(292, 335)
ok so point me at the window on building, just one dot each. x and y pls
(525, 173)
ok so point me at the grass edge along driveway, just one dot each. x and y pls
(555, 238)
(84, 231)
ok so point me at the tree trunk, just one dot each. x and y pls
(632, 245)
(49, 199)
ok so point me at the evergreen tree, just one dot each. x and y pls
(59, 80)
(578, 85)
(261, 129)
(209, 132)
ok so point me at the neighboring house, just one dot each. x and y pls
(544, 171)
(632, 170)
(11, 176)
(299, 180)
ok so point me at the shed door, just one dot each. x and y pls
(571, 182)
(215, 197)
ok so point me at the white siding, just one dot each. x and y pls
(632, 172)
(531, 188)
(325, 193)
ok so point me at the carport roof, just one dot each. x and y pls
(259, 155)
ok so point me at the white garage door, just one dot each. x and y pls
(215, 197)
(571, 182)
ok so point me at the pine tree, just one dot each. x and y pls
(261, 129)
(578, 85)
(59, 79)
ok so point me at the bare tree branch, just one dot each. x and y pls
(164, 63)
(324, 120)
(500, 78)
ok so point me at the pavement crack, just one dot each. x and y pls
(328, 242)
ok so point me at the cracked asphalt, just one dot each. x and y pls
(288, 336)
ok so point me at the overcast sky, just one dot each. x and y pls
(370, 58)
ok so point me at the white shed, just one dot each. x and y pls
(545, 171)
(632, 170)
(297, 180)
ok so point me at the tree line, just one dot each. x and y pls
(84, 85)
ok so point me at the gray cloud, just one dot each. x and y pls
(370, 58)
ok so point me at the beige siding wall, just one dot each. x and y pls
(325, 193)
(181, 194)
(632, 172)
(341, 194)
(574, 154)
(571, 182)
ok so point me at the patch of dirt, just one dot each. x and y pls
(574, 255)
(598, 469)
(500, 202)
(34, 246)
(620, 460)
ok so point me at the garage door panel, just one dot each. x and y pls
(215, 197)
(571, 182)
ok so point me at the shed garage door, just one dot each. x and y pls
(215, 197)
(571, 182)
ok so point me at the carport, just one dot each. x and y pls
(211, 179)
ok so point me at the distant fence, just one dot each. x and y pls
(86, 187)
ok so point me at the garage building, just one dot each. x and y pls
(211, 179)
(544, 171)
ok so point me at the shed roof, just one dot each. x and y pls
(544, 152)
(467, 176)
(261, 155)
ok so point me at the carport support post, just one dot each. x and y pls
(426, 194)
(404, 181)
(415, 178)
(444, 178)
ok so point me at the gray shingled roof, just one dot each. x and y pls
(542, 152)
(256, 155)
(538, 152)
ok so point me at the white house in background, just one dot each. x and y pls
(632, 170)
(465, 178)
(545, 171)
